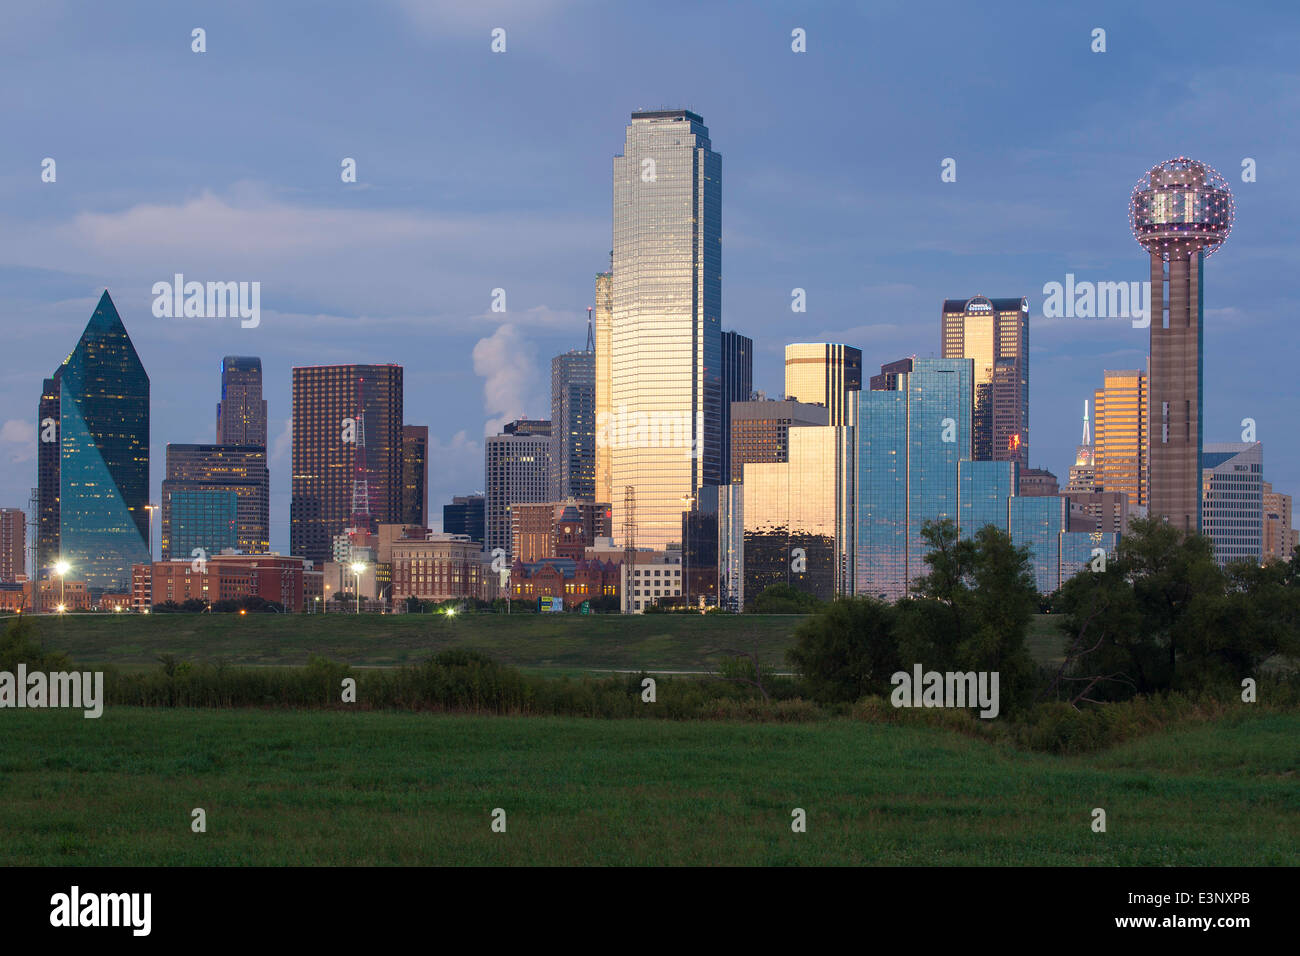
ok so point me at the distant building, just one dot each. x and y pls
(994, 335)
(604, 317)
(415, 475)
(1038, 482)
(573, 426)
(574, 581)
(824, 373)
(13, 545)
(1083, 473)
(241, 413)
(1102, 511)
(887, 380)
(760, 431)
(517, 469)
(272, 577)
(465, 515)
(737, 384)
(1280, 538)
(656, 576)
(214, 498)
(435, 567)
(556, 529)
(1122, 441)
(1232, 502)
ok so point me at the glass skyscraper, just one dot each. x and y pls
(203, 519)
(573, 426)
(215, 471)
(909, 446)
(1232, 509)
(983, 492)
(737, 385)
(664, 419)
(994, 334)
(1038, 522)
(103, 467)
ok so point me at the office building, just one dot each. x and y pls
(241, 413)
(1181, 212)
(887, 380)
(984, 488)
(1038, 523)
(574, 581)
(573, 426)
(665, 406)
(1100, 511)
(760, 430)
(994, 335)
(1232, 506)
(13, 545)
(435, 567)
(100, 420)
(1038, 482)
(517, 469)
(415, 475)
(215, 497)
(1120, 448)
(604, 310)
(1083, 473)
(347, 452)
(1279, 536)
(556, 529)
(465, 515)
(823, 373)
(737, 386)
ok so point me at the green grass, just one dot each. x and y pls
(565, 643)
(294, 787)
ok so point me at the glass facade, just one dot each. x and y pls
(737, 386)
(104, 454)
(1077, 548)
(1233, 500)
(797, 526)
(994, 335)
(573, 426)
(984, 488)
(664, 419)
(239, 469)
(823, 373)
(205, 518)
(241, 413)
(1038, 523)
(1121, 444)
(415, 475)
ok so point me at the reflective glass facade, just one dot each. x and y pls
(573, 426)
(665, 416)
(204, 518)
(239, 469)
(1077, 548)
(1121, 445)
(1232, 485)
(1038, 523)
(796, 513)
(994, 334)
(104, 454)
(824, 373)
(985, 487)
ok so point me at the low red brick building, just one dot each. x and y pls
(574, 581)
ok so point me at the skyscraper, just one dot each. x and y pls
(517, 468)
(48, 455)
(215, 497)
(604, 310)
(101, 420)
(1232, 488)
(465, 515)
(994, 334)
(1279, 536)
(13, 544)
(760, 431)
(1120, 449)
(1083, 473)
(823, 373)
(573, 426)
(909, 446)
(241, 413)
(1181, 213)
(665, 336)
(347, 452)
(415, 475)
(737, 384)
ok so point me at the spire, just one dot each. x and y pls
(591, 341)
(1087, 438)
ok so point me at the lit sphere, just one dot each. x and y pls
(1181, 206)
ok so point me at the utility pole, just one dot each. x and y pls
(629, 543)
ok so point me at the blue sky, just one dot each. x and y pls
(479, 170)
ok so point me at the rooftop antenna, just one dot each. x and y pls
(591, 341)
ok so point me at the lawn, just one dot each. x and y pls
(329, 787)
(566, 643)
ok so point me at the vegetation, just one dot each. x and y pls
(783, 599)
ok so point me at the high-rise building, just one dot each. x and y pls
(241, 413)
(556, 529)
(215, 497)
(604, 310)
(887, 380)
(573, 426)
(347, 452)
(1120, 449)
(798, 516)
(1232, 489)
(517, 468)
(823, 373)
(909, 445)
(1279, 536)
(465, 516)
(994, 335)
(737, 384)
(760, 431)
(1083, 473)
(415, 475)
(665, 337)
(100, 420)
(13, 545)
(1038, 523)
(984, 488)
(1181, 212)
(1038, 483)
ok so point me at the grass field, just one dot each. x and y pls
(293, 787)
(565, 643)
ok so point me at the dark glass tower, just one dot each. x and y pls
(103, 468)
(737, 384)
(241, 413)
(573, 426)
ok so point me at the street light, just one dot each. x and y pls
(686, 552)
(357, 568)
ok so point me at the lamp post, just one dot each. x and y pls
(61, 568)
(686, 551)
(357, 568)
(150, 509)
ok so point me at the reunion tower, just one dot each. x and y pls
(1180, 212)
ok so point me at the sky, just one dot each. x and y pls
(479, 170)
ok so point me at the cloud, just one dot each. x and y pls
(17, 431)
(438, 17)
(283, 442)
(510, 387)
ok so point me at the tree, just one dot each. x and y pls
(847, 649)
(784, 599)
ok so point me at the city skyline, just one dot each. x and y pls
(762, 237)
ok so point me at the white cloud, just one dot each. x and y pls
(510, 387)
(22, 433)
